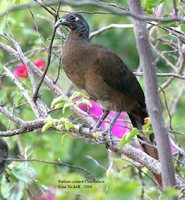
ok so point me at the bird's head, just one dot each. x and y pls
(76, 23)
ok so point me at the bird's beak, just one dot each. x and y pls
(61, 22)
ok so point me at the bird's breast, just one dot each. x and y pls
(74, 66)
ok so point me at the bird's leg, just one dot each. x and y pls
(108, 130)
(112, 123)
(100, 121)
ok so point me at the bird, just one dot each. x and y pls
(103, 76)
(3, 155)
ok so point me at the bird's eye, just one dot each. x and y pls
(72, 17)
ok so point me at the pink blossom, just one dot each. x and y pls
(22, 72)
(172, 12)
(40, 63)
(95, 111)
(120, 126)
(173, 147)
(159, 10)
(49, 195)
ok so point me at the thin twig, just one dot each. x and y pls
(167, 108)
(111, 26)
(175, 7)
(46, 6)
(47, 66)
(142, 185)
(23, 91)
(180, 67)
(96, 162)
(174, 75)
(49, 53)
(59, 163)
(60, 60)
(10, 116)
(59, 69)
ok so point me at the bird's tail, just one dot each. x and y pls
(148, 149)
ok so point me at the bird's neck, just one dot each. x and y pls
(75, 47)
(75, 36)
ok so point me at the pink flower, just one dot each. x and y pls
(120, 127)
(174, 148)
(22, 72)
(49, 195)
(40, 63)
(172, 12)
(159, 10)
(95, 111)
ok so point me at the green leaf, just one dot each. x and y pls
(77, 95)
(49, 120)
(147, 128)
(69, 126)
(59, 105)
(147, 125)
(17, 2)
(150, 4)
(61, 123)
(170, 193)
(128, 137)
(60, 127)
(84, 101)
(66, 108)
(168, 24)
(48, 124)
(62, 120)
(182, 26)
(56, 101)
(62, 138)
(20, 176)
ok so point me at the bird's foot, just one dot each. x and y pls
(105, 133)
(107, 136)
(94, 129)
(90, 129)
(82, 127)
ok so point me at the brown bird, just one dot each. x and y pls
(102, 75)
(3, 155)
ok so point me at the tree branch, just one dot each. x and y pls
(152, 97)
(23, 91)
(58, 163)
(9, 115)
(96, 3)
(84, 132)
(174, 75)
(24, 128)
(111, 26)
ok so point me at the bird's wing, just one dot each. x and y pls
(116, 74)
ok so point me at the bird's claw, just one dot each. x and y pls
(82, 126)
(105, 133)
(109, 134)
